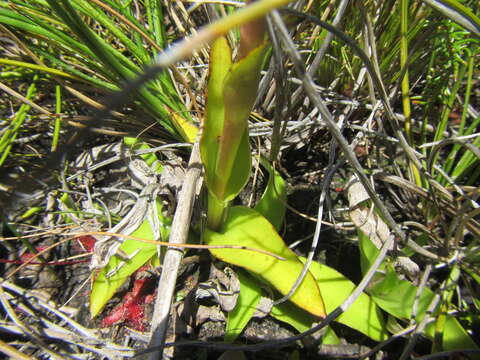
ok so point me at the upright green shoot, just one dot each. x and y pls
(58, 121)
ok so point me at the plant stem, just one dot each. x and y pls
(216, 212)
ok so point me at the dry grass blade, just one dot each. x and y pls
(12, 352)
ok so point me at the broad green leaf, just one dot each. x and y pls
(238, 318)
(272, 203)
(363, 315)
(293, 315)
(397, 297)
(117, 271)
(330, 338)
(239, 94)
(220, 62)
(368, 251)
(248, 300)
(224, 146)
(246, 227)
(454, 336)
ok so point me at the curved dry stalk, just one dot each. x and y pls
(326, 182)
(328, 39)
(381, 345)
(446, 203)
(179, 245)
(420, 327)
(316, 237)
(277, 72)
(341, 226)
(420, 288)
(377, 80)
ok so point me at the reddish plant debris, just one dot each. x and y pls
(86, 242)
(132, 308)
(27, 256)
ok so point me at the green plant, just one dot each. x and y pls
(226, 157)
(399, 36)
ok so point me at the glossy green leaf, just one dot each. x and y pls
(224, 146)
(246, 227)
(273, 201)
(368, 251)
(220, 62)
(363, 315)
(330, 338)
(118, 270)
(248, 299)
(454, 336)
(397, 297)
(293, 315)
(239, 94)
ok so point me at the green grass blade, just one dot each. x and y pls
(155, 19)
(13, 129)
(58, 122)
